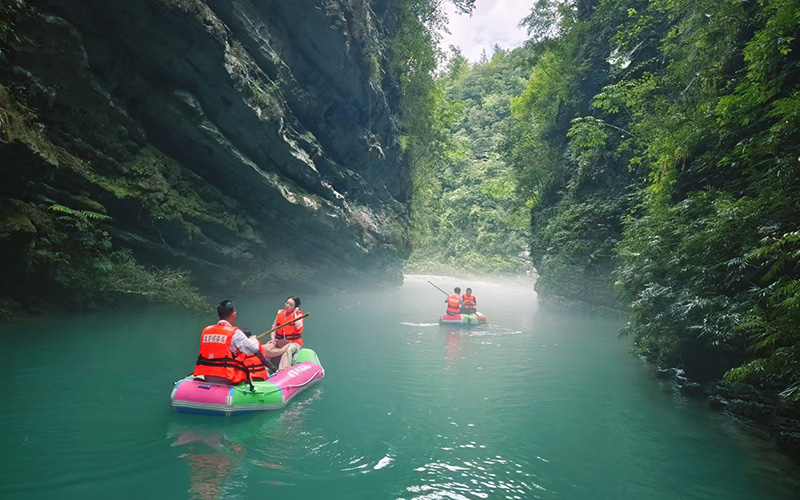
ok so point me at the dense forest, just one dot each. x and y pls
(653, 145)
(466, 217)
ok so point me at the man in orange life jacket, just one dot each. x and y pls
(469, 304)
(223, 349)
(453, 302)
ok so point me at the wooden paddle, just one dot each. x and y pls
(281, 326)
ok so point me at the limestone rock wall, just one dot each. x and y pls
(251, 142)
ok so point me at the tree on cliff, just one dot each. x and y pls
(685, 114)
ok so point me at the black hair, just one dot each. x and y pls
(469, 289)
(457, 289)
(295, 299)
(225, 309)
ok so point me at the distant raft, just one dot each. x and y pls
(194, 395)
(462, 319)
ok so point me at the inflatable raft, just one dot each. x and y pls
(194, 395)
(463, 319)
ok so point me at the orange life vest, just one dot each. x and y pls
(254, 365)
(468, 304)
(289, 332)
(453, 304)
(215, 358)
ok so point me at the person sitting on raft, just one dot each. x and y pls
(288, 337)
(469, 304)
(223, 349)
(258, 370)
(453, 302)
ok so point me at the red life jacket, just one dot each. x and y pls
(289, 332)
(468, 304)
(215, 358)
(453, 304)
(254, 365)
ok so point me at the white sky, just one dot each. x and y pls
(492, 22)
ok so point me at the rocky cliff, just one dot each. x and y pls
(252, 143)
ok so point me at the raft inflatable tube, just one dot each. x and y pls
(194, 395)
(462, 319)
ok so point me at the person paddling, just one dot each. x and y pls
(453, 302)
(290, 336)
(223, 348)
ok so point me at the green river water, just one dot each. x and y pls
(542, 403)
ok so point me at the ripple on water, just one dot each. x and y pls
(479, 477)
(331, 457)
(464, 468)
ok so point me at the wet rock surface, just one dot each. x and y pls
(252, 143)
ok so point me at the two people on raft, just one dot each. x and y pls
(461, 304)
(231, 355)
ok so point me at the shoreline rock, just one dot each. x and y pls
(766, 414)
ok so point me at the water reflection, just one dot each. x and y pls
(209, 473)
(211, 458)
(461, 344)
(452, 345)
(215, 448)
(275, 447)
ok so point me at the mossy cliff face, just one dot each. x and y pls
(251, 143)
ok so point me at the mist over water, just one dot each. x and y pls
(541, 403)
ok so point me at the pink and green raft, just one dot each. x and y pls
(463, 319)
(194, 395)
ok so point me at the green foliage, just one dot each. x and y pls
(465, 215)
(680, 119)
(551, 19)
(682, 272)
(74, 254)
(535, 147)
(717, 133)
(124, 277)
(771, 323)
(499, 188)
(84, 215)
(569, 158)
(413, 60)
(19, 122)
(574, 243)
(266, 98)
(8, 12)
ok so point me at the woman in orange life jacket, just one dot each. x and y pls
(469, 304)
(289, 336)
(453, 302)
(223, 348)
